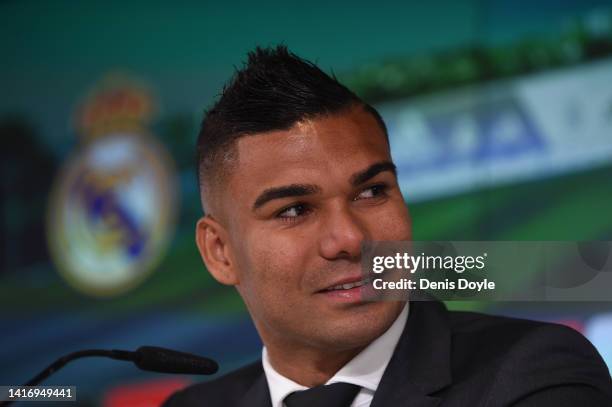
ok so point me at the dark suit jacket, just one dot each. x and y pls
(456, 359)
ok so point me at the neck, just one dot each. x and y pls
(309, 367)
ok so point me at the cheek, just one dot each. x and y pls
(271, 270)
(393, 224)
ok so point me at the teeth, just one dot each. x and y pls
(348, 286)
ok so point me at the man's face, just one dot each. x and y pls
(297, 207)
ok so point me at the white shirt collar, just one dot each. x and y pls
(365, 369)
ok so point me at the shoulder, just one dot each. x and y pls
(522, 357)
(222, 391)
(492, 334)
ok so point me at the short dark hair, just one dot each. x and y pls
(273, 91)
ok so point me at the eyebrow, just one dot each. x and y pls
(294, 190)
(287, 191)
(372, 171)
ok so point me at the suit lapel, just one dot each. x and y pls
(258, 395)
(420, 365)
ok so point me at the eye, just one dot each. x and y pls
(293, 213)
(374, 191)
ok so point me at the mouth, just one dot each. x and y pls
(349, 285)
(351, 290)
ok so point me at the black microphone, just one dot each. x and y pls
(151, 358)
(171, 361)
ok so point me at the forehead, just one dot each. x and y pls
(335, 145)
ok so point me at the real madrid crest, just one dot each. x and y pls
(111, 214)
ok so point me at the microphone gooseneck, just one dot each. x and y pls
(151, 358)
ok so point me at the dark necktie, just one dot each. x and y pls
(331, 395)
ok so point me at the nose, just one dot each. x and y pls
(342, 235)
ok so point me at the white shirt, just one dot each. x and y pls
(365, 369)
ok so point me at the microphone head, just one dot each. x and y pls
(163, 360)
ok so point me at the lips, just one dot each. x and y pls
(346, 283)
(348, 286)
(345, 291)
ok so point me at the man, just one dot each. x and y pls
(295, 173)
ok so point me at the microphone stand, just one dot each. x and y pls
(146, 357)
(61, 362)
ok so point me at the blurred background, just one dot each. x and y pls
(499, 113)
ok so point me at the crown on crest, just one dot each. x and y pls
(117, 104)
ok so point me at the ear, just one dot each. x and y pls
(212, 241)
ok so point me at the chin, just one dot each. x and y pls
(359, 326)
